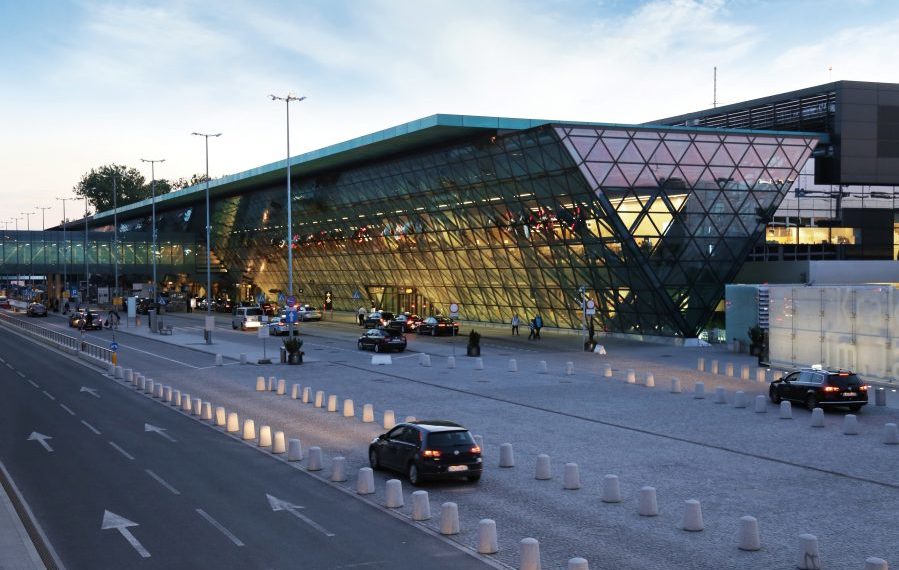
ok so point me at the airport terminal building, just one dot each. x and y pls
(505, 216)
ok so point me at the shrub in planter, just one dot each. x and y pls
(292, 345)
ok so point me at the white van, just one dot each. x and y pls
(244, 318)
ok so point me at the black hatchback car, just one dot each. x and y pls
(428, 450)
(382, 340)
(816, 387)
(438, 326)
(377, 319)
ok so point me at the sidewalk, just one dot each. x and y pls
(17, 551)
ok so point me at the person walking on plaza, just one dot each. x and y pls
(515, 322)
(538, 324)
(361, 316)
(531, 329)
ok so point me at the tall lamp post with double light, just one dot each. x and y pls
(208, 242)
(30, 248)
(115, 238)
(153, 221)
(87, 275)
(43, 210)
(18, 268)
(65, 246)
(287, 100)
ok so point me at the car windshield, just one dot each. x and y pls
(254, 311)
(448, 438)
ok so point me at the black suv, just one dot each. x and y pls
(377, 319)
(427, 449)
(816, 387)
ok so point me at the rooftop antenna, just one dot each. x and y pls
(714, 86)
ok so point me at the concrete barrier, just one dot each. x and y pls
(809, 558)
(294, 449)
(744, 372)
(450, 361)
(272, 383)
(207, 411)
(572, 477)
(607, 370)
(542, 367)
(749, 534)
(874, 563)
(739, 399)
(647, 505)
(389, 419)
(611, 490)
(850, 424)
(714, 367)
(543, 469)
(307, 394)
(675, 386)
(720, 395)
(880, 397)
(692, 521)
(260, 383)
(365, 481)
(381, 359)
(487, 543)
(243, 358)
(578, 564)
(168, 395)
(729, 369)
(650, 380)
(761, 375)
(479, 363)
(141, 384)
(368, 413)
(197, 407)
(176, 398)
(506, 455)
(529, 549)
(394, 496)
(119, 373)
(110, 369)
(218, 360)
(160, 391)
(332, 402)
(786, 410)
(265, 436)
(513, 365)
(569, 368)
(818, 418)
(128, 375)
(249, 430)
(761, 404)
(338, 469)
(421, 506)
(220, 416)
(630, 376)
(700, 364)
(314, 462)
(186, 403)
(890, 434)
(348, 409)
(699, 390)
(150, 386)
(295, 392)
(319, 398)
(282, 387)
(135, 379)
(449, 518)
(426, 360)
(279, 445)
(233, 423)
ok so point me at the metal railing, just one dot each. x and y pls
(58, 339)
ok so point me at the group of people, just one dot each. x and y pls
(534, 326)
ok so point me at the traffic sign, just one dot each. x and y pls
(290, 316)
(260, 298)
(291, 301)
(454, 310)
(591, 308)
(281, 298)
(357, 294)
(113, 346)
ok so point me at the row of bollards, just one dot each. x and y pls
(761, 374)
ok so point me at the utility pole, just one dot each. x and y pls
(43, 210)
(65, 246)
(153, 214)
(208, 242)
(30, 248)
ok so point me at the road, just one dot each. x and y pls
(77, 445)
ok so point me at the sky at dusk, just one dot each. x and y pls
(89, 83)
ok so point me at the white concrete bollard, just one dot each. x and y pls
(410, 419)
(786, 410)
(647, 505)
(136, 379)
(739, 399)
(233, 423)
(319, 398)
(279, 445)
(607, 370)
(119, 373)
(611, 490)
(761, 375)
(110, 369)
(168, 394)
(530, 554)
(314, 463)
(631, 377)
(141, 384)
(572, 478)
(749, 534)
(487, 543)
(394, 498)
(506, 455)
(260, 383)
(874, 563)
(272, 383)
(720, 395)
(389, 419)
(160, 391)
(365, 481)
(479, 363)
(249, 429)
(569, 368)
(714, 367)
(761, 404)
(479, 439)
(265, 436)
(675, 386)
(176, 398)
(368, 413)
(744, 372)
(650, 380)
(513, 365)
(150, 386)
(543, 470)
(186, 403)
(332, 402)
(421, 506)
(421, 359)
(307, 395)
(578, 564)
(692, 516)
(294, 450)
(809, 559)
(450, 361)
(890, 434)
(282, 387)
(449, 518)
(818, 417)
(729, 369)
(197, 407)
(700, 364)
(218, 360)
(295, 392)
(699, 390)
(338, 469)
(542, 367)
(128, 375)
(348, 409)
(243, 358)
(426, 360)
(850, 424)
(220, 416)
(880, 397)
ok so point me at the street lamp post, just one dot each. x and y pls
(65, 246)
(18, 269)
(287, 101)
(30, 246)
(115, 238)
(153, 214)
(43, 210)
(208, 242)
(87, 275)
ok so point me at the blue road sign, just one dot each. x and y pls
(113, 346)
(357, 294)
(281, 298)
(290, 316)
(260, 298)
(74, 292)
(291, 301)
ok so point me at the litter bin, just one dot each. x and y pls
(283, 355)
(151, 320)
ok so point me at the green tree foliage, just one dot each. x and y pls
(131, 186)
(194, 180)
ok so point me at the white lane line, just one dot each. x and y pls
(158, 356)
(48, 394)
(92, 428)
(33, 383)
(122, 451)
(163, 482)
(68, 409)
(219, 526)
(10, 366)
(20, 373)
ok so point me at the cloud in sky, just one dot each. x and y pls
(93, 82)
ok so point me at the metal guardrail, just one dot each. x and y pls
(58, 339)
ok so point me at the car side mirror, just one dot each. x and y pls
(382, 437)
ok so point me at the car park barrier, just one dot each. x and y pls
(487, 543)
(890, 434)
(699, 390)
(818, 417)
(720, 395)
(607, 370)
(506, 455)
(714, 367)
(631, 377)
(207, 411)
(319, 398)
(186, 405)
(739, 399)
(220, 416)
(421, 506)
(294, 449)
(394, 498)
(314, 463)
(786, 410)
(365, 481)
(880, 397)
(729, 369)
(529, 549)
(169, 394)
(572, 477)
(543, 469)
(279, 446)
(578, 564)
(542, 367)
(389, 419)
(249, 429)
(368, 413)
(478, 363)
(307, 393)
(874, 563)
(450, 361)
(295, 392)
(611, 490)
(569, 368)
(218, 360)
(650, 380)
(692, 516)
(265, 436)
(282, 387)
(809, 558)
(749, 534)
(233, 424)
(348, 409)
(700, 364)
(675, 386)
(513, 365)
(449, 518)
(647, 505)
(332, 402)
(761, 375)
(850, 424)
(176, 398)
(260, 383)
(338, 469)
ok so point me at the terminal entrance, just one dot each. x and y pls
(398, 299)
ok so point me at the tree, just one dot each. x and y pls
(131, 186)
(194, 180)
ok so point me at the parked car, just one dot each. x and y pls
(244, 318)
(221, 306)
(438, 326)
(382, 340)
(144, 305)
(279, 326)
(308, 313)
(269, 309)
(4, 303)
(404, 323)
(817, 387)
(86, 319)
(427, 449)
(36, 310)
(377, 319)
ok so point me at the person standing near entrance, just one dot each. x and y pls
(538, 324)
(361, 316)
(515, 323)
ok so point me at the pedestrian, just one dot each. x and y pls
(531, 329)
(65, 308)
(538, 324)
(515, 322)
(361, 316)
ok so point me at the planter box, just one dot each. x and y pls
(295, 357)
(473, 350)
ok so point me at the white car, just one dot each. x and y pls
(244, 318)
(308, 313)
(279, 326)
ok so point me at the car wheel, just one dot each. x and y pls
(474, 478)
(377, 348)
(374, 460)
(773, 394)
(359, 345)
(414, 475)
(855, 407)
(811, 402)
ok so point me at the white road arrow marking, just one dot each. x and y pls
(121, 524)
(282, 505)
(159, 430)
(91, 391)
(40, 438)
